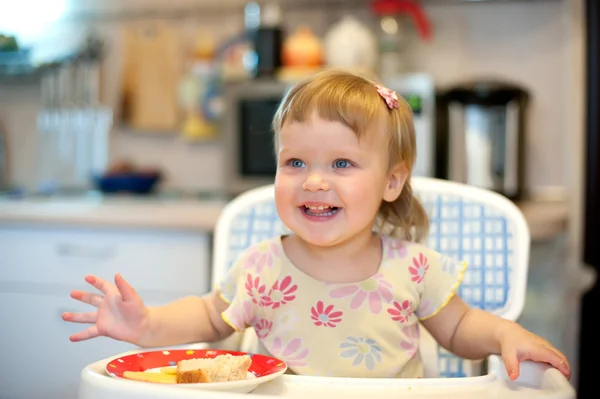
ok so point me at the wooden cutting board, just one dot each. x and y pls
(152, 72)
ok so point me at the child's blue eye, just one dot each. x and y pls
(341, 164)
(296, 163)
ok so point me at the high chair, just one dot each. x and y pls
(478, 226)
(467, 223)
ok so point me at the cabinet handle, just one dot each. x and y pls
(82, 251)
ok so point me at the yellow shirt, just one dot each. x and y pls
(364, 329)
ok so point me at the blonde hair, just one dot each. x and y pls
(347, 98)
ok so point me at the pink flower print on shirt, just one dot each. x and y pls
(397, 249)
(410, 341)
(401, 311)
(255, 289)
(325, 316)
(292, 353)
(374, 290)
(263, 256)
(363, 350)
(419, 268)
(263, 327)
(281, 293)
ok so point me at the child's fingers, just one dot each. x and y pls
(89, 317)
(564, 365)
(127, 292)
(551, 356)
(87, 297)
(99, 283)
(511, 362)
(89, 333)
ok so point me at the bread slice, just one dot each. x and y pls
(220, 369)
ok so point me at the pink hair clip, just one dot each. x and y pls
(388, 95)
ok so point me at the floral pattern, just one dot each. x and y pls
(374, 290)
(401, 311)
(410, 341)
(397, 249)
(371, 325)
(263, 327)
(281, 293)
(292, 353)
(325, 316)
(419, 268)
(364, 351)
(263, 256)
(255, 289)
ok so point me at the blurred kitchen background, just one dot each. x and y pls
(125, 126)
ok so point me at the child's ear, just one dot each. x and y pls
(395, 184)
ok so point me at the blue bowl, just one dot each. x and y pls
(126, 183)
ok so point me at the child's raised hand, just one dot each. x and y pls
(518, 344)
(121, 312)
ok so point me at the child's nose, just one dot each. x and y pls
(315, 182)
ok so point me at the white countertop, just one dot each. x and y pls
(190, 214)
(545, 219)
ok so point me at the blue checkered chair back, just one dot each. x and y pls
(466, 228)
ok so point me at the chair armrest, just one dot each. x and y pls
(532, 374)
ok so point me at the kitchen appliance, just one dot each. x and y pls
(481, 135)
(247, 134)
(419, 91)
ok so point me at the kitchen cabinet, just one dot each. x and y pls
(40, 264)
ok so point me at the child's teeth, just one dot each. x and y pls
(318, 208)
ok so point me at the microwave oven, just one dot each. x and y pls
(249, 157)
(249, 152)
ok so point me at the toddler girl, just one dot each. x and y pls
(346, 293)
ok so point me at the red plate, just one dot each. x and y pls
(262, 365)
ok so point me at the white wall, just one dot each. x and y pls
(527, 42)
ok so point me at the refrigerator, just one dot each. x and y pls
(588, 383)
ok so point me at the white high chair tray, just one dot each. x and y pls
(536, 381)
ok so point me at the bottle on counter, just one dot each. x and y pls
(264, 28)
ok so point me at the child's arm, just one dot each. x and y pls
(476, 334)
(190, 319)
(121, 314)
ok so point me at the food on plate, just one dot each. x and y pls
(220, 369)
(169, 370)
(145, 376)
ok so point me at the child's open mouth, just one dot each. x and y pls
(319, 211)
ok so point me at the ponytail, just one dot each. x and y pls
(404, 218)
